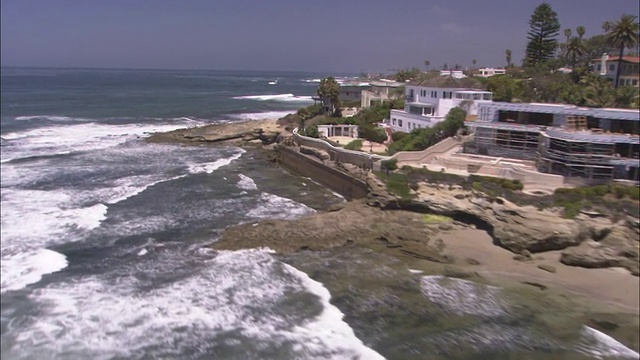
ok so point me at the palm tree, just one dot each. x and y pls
(474, 61)
(567, 33)
(623, 34)
(580, 30)
(573, 49)
(426, 64)
(606, 26)
(508, 53)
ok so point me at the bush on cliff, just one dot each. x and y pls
(354, 145)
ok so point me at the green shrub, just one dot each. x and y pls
(397, 184)
(391, 164)
(354, 145)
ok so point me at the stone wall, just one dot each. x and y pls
(334, 179)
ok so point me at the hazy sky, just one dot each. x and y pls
(328, 35)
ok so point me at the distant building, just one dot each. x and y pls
(457, 74)
(629, 73)
(327, 131)
(488, 72)
(593, 143)
(352, 91)
(428, 102)
(380, 91)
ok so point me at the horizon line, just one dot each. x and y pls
(171, 69)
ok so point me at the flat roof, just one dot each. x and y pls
(601, 113)
(472, 92)
(559, 133)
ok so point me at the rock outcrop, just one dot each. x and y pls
(590, 240)
(262, 132)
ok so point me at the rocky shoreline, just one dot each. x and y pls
(447, 230)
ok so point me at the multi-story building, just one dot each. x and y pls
(487, 72)
(381, 90)
(594, 143)
(428, 102)
(629, 72)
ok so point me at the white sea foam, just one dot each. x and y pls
(130, 186)
(261, 115)
(275, 207)
(236, 292)
(276, 97)
(603, 346)
(246, 183)
(311, 80)
(463, 297)
(27, 266)
(54, 140)
(32, 220)
(210, 167)
(335, 332)
(49, 118)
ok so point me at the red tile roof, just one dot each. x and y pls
(628, 58)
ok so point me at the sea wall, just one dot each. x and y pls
(340, 155)
(343, 184)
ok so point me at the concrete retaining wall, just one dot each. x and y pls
(336, 180)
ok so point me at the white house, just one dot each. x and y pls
(607, 66)
(458, 74)
(487, 72)
(428, 103)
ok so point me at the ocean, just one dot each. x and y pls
(104, 237)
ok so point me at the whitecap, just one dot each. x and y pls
(276, 97)
(261, 115)
(210, 167)
(275, 207)
(58, 140)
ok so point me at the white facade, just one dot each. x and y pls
(487, 72)
(427, 106)
(456, 74)
(607, 66)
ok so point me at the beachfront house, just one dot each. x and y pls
(428, 102)
(380, 91)
(607, 66)
(591, 143)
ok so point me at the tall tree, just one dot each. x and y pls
(623, 34)
(426, 65)
(329, 92)
(573, 49)
(580, 30)
(508, 53)
(544, 27)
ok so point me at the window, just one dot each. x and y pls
(458, 96)
(394, 121)
(400, 122)
(612, 67)
(634, 82)
(477, 96)
(598, 67)
(446, 94)
(434, 94)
